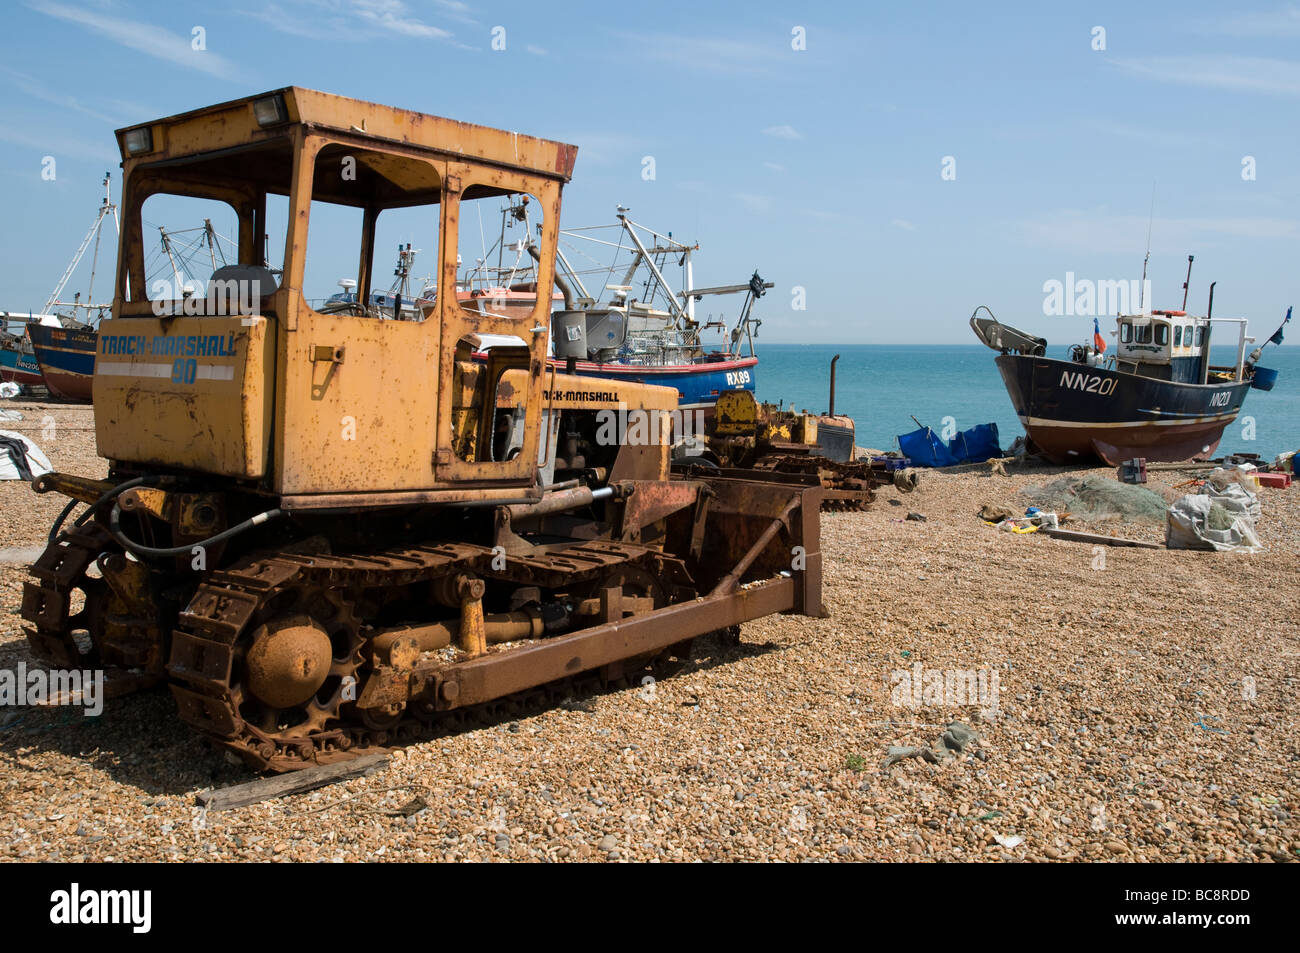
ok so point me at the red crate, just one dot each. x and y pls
(1277, 480)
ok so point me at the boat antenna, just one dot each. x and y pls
(1150, 221)
(1188, 281)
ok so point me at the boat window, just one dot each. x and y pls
(1125, 332)
(391, 281)
(1187, 335)
(1162, 334)
(1178, 336)
(1200, 335)
(1142, 333)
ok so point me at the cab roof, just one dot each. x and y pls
(243, 122)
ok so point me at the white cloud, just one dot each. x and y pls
(602, 148)
(318, 27)
(38, 89)
(1150, 135)
(1284, 21)
(455, 10)
(783, 132)
(55, 145)
(143, 38)
(1256, 74)
(755, 203)
(1106, 232)
(774, 166)
(395, 17)
(903, 223)
(535, 50)
(700, 53)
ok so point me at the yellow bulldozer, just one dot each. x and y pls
(325, 527)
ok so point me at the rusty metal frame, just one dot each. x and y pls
(494, 676)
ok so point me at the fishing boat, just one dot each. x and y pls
(65, 348)
(1156, 396)
(640, 328)
(66, 355)
(508, 287)
(17, 361)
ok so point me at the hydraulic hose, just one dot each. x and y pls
(90, 511)
(118, 491)
(58, 523)
(139, 549)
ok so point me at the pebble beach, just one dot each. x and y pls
(1132, 705)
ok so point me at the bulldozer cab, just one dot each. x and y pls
(245, 367)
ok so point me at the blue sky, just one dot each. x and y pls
(820, 167)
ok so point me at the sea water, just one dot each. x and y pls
(883, 386)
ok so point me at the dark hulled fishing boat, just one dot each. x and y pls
(67, 358)
(17, 361)
(65, 349)
(1158, 396)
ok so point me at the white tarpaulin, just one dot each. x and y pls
(15, 444)
(1234, 498)
(1198, 522)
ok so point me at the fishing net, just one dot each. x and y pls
(1092, 498)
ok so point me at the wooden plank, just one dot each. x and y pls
(1081, 537)
(293, 782)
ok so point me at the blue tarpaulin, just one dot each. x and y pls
(925, 449)
(970, 446)
(977, 444)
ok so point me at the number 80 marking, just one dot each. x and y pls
(184, 370)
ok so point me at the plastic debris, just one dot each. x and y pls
(1199, 522)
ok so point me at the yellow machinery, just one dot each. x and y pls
(323, 527)
(746, 434)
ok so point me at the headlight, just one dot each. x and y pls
(270, 110)
(138, 141)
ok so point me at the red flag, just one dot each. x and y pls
(1098, 341)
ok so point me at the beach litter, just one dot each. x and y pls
(1033, 520)
(1202, 523)
(20, 459)
(956, 738)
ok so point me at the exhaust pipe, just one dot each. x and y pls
(831, 412)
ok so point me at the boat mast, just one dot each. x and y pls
(1142, 288)
(1188, 282)
(212, 250)
(677, 309)
(176, 272)
(104, 210)
(94, 257)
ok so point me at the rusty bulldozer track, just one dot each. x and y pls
(630, 604)
(219, 621)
